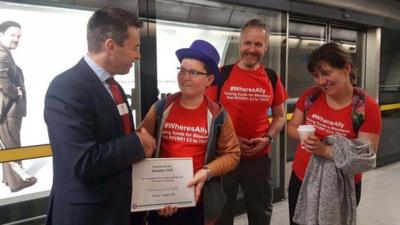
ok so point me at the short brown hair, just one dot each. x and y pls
(110, 22)
(333, 54)
(256, 23)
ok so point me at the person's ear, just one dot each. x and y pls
(110, 44)
(347, 67)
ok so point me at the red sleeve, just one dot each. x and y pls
(280, 94)
(372, 121)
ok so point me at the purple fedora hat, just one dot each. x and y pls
(203, 51)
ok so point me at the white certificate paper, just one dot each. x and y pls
(158, 182)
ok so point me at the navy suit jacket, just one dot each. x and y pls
(92, 158)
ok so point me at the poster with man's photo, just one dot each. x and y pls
(42, 42)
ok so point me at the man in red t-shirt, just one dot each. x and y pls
(247, 94)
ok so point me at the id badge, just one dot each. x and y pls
(122, 109)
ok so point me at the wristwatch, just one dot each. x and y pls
(271, 140)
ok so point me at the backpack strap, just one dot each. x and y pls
(219, 121)
(226, 71)
(358, 105)
(358, 111)
(160, 107)
(272, 77)
(311, 98)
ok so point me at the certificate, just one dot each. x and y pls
(158, 182)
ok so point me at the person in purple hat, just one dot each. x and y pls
(189, 124)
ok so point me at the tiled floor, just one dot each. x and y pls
(380, 200)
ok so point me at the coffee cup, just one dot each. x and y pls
(304, 132)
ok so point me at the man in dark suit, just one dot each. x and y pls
(12, 105)
(90, 127)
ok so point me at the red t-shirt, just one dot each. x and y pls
(329, 121)
(185, 133)
(247, 96)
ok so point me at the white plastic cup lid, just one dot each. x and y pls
(306, 128)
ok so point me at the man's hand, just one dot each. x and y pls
(259, 144)
(148, 141)
(250, 147)
(19, 92)
(245, 146)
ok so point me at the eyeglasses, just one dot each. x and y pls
(192, 73)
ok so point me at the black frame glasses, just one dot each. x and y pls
(192, 73)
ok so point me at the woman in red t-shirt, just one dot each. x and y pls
(332, 69)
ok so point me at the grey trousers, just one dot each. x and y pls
(255, 179)
(10, 130)
(10, 137)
